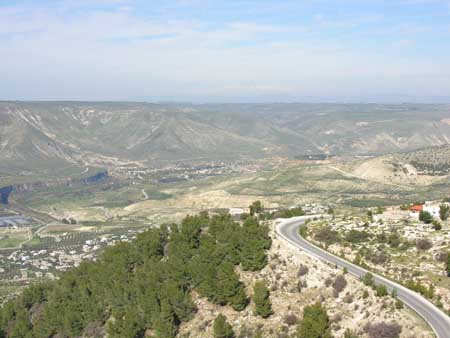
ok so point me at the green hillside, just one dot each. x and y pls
(144, 285)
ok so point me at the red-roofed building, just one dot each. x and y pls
(416, 208)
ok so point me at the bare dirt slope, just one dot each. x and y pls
(391, 170)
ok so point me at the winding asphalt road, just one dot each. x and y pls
(439, 321)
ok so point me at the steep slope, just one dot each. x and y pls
(182, 138)
(126, 131)
(369, 128)
(57, 133)
(22, 144)
(421, 167)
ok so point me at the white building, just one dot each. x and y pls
(238, 211)
(432, 208)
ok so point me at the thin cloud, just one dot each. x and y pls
(123, 50)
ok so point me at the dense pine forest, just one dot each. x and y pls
(144, 287)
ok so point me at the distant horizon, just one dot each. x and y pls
(225, 51)
(443, 101)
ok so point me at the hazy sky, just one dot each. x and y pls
(200, 50)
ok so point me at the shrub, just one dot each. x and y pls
(380, 210)
(336, 318)
(290, 319)
(379, 257)
(425, 217)
(381, 291)
(327, 235)
(355, 236)
(368, 279)
(301, 285)
(384, 330)
(303, 231)
(437, 225)
(339, 284)
(245, 332)
(420, 288)
(399, 304)
(348, 298)
(444, 211)
(423, 244)
(394, 293)
(394, 240)
(222, 329)
(258, 333)
(303, 270)
(349, 334)
(441, 256)
(288, 213)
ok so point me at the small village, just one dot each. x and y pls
(139, 174)
(47, 254)
(57, 254)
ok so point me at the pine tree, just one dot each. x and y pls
(261, 294)
(240, 300)
(222, 329)
(22, 326)
(179, 300)
(165, 325)
(126, 324)
(146, 283)
(253, 255)
(254, 243)
(256, 208)
(229, 288)
(315, 323)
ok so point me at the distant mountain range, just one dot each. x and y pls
(42, 134)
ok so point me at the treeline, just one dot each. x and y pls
(257, 209)
(143, 288)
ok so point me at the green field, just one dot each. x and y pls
(12, 242)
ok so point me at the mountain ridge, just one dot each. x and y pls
(72, 133)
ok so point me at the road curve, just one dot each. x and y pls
(438, 320)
